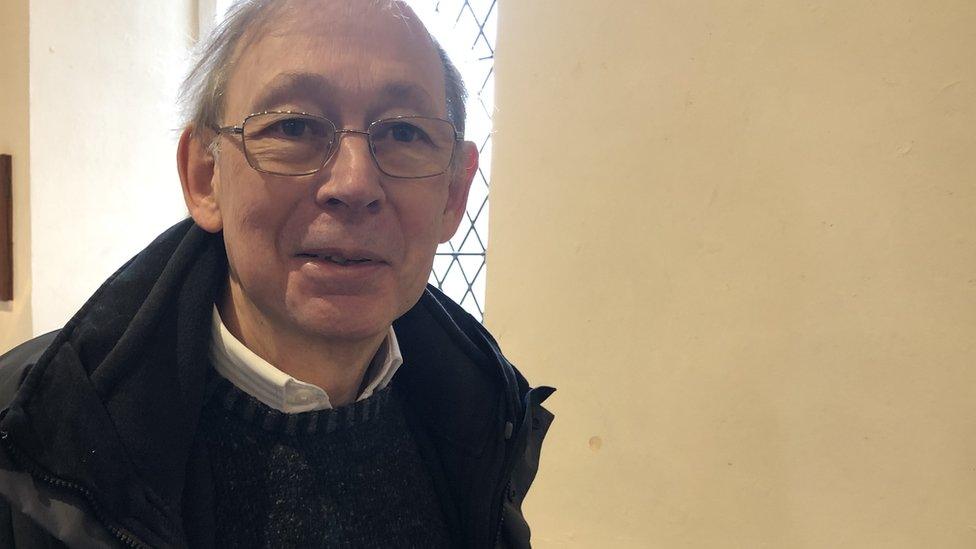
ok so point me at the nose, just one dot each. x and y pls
(351, 179)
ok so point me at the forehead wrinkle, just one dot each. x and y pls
(334, 16)
(289, 86)
(344, 28)
(406, 94)
(322, 15)
(315, 16)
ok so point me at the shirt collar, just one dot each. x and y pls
(258, 378)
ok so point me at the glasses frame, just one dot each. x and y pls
(333, 144)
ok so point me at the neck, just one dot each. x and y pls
(337, 366)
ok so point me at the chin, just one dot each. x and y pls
(344, 317)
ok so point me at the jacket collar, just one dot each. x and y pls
(112, 405)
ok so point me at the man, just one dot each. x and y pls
(274, 372)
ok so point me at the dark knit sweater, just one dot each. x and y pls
(348, 477)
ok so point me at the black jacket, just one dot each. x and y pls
(98, 437)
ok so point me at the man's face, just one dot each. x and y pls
(353, 65)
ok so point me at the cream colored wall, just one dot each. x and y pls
(15, 316)
(739, 237)
(104, 127)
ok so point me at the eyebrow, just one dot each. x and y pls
(303, 85)
(289, 86)
(407, 95)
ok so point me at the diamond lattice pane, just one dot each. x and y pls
(466, 29)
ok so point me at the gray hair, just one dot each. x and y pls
(203, 90)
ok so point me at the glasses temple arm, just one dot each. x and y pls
(230, 129)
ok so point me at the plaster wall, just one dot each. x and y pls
(104, 128)
(15, 316)
(739, 237)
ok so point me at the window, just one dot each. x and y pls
(466, 29)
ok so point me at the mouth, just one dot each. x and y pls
(337, 258)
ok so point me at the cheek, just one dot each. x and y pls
(247, 223)
(250, 244)
(420, 222)
(245, 201)
(252, 222)
(420, 209)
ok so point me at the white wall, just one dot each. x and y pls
(104, 127)
(15, 316)
(739, 236)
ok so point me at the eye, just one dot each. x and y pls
(293, 127)
(406, 133)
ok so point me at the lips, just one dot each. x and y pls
(337, 259)
(341, 256)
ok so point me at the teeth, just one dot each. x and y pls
(337, 259)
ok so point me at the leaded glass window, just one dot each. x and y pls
(466, 29)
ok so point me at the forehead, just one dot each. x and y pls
(349, 50)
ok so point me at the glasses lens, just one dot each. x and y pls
(412, 146)
(287, 144)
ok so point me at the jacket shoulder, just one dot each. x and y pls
(15, 364)
(17, 529)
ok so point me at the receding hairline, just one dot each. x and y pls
(202, 93)
(272, 18)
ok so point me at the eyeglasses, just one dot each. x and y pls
(297, 143)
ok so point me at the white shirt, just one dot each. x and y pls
(258, 378)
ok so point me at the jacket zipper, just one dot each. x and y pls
(512, 454)
(515, 405)
(506, 474)
(127, 538)
(501, 513)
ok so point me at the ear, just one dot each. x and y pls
(196, 166)
(457, 198)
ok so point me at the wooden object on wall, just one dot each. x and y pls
(6, 229)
